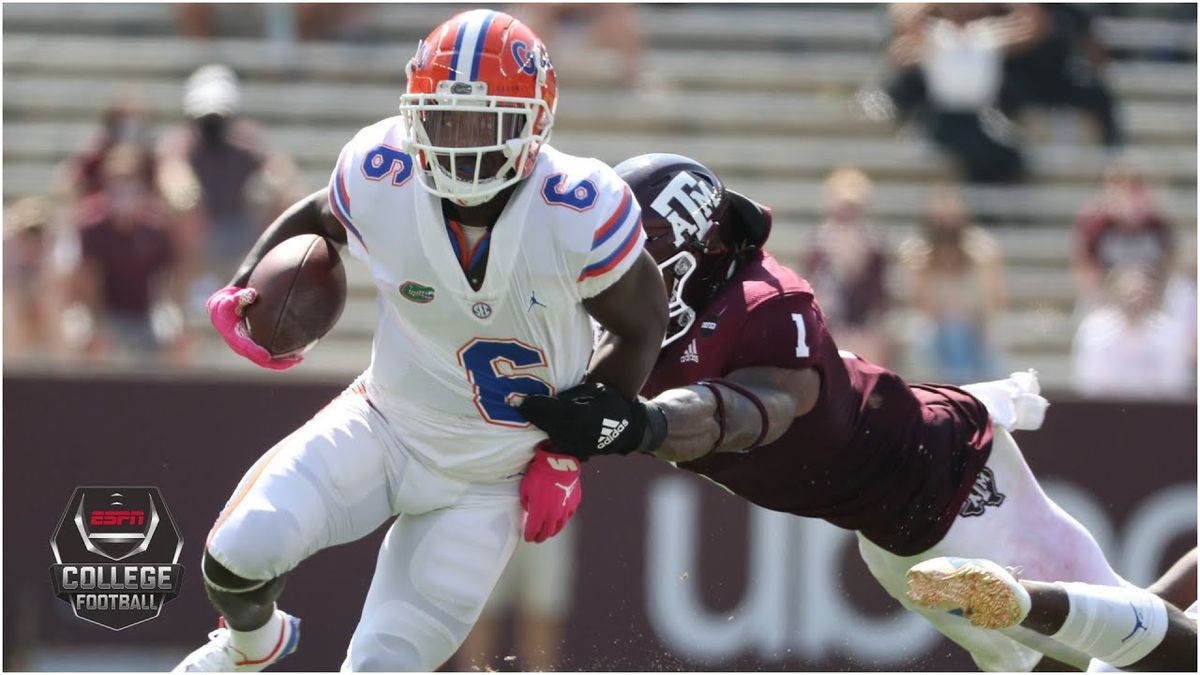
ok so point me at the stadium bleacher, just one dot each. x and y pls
(766, 95)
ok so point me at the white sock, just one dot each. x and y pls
(261, 641)
(1116, 624)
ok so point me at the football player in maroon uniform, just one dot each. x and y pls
(751, 391)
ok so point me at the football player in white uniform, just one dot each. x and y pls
(490, 251)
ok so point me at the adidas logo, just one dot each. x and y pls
(609, 431)
(690, 354)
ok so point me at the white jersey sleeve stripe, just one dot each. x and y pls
(627, 246)
(610, 228)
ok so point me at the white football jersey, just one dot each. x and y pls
(447, 360)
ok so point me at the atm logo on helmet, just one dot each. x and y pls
(694, 202)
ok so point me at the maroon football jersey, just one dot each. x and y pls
(876, 455)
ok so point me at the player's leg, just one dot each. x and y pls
(1010, 520)
(1120, 625)
(1127, 627)
(478, 651)
(324, 484)
(433, 575)
(1178, 584)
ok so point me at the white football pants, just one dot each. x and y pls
(335, 480)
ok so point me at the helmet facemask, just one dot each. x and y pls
(469, 145)
(680, 315)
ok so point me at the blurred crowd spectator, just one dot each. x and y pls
(957, 283)
(115, 266)
(846, 263)
(1065, 67)
(125, 123)
(1122, 228)
(216, 172)
(965, 71)
(31, 300)
(1130, 348)
(567, 27)
(127, 263)
(1137, 334)
(290, 21)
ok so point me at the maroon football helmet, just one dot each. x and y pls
(696, 229)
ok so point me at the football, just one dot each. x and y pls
(301, 288)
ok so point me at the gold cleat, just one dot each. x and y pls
(980, 591)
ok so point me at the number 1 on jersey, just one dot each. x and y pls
(498, 369)
(801, 336)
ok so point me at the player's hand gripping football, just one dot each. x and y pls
(550, 493)
(226, 308)
(592, 419)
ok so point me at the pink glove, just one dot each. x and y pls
(550, 493)
(226, 308)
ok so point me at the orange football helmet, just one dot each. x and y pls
(479, 105)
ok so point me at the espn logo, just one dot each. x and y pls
(117, 518)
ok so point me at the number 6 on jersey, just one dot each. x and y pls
(498, 369)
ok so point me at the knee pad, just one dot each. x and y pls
(258, 544)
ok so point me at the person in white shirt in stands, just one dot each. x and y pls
(1130, 348)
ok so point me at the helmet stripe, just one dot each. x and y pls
(471, 35)
(483, 33)
(458, 40)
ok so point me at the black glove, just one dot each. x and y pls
(591, 419)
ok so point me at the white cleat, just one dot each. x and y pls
(979, 590)
(220, 656)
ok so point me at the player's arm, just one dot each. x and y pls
(745, 409)
(604, 415)
(310, 215)
(621, 288)
(774, 378)
(633, 312)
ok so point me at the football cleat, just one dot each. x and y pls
(979, 590)
(220, 656)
